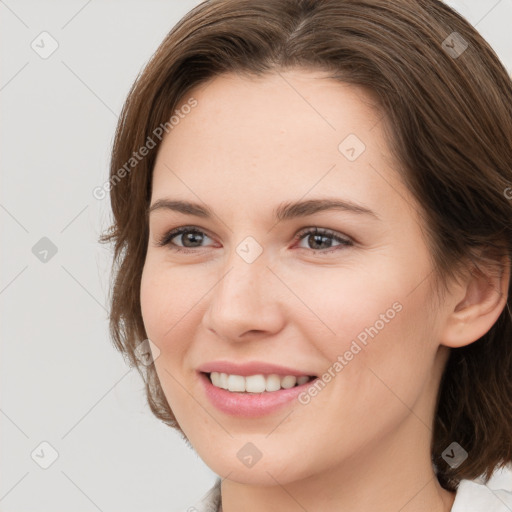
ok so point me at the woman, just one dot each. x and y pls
(313, 241)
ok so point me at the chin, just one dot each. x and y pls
(267, 471)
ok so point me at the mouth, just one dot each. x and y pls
(253, 396)
(258, 383)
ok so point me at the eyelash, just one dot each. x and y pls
(167, 237)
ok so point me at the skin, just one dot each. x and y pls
(363, 443)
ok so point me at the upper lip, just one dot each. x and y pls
(250, 368)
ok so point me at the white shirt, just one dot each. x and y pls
(495, 496)
(471, 495)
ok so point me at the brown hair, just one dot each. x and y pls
(447, 105)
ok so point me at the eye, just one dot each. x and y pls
(323, 237)
(194, 236)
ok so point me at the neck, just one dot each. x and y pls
(391, 474)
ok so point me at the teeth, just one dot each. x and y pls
(273, 383)
(256, 383)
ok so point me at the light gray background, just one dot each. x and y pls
(61, 380)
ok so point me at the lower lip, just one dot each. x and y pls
(250, 405)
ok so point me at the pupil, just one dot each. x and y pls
(190, 237)
(318, 239)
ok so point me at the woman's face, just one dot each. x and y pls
(351, 305)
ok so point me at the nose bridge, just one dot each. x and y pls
(243, 300)
(246, 272)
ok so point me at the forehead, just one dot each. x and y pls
(279, 105)
(284, 131)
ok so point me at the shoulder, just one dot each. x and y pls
(493, 496)
(209, 502)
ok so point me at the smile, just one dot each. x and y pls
(258, 383)
(254, 400)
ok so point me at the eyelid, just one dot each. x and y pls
(169, 235)
(342, 239)
(314, 230)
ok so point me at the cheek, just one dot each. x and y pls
(388, 357)
(338, 305)
(151, 299)
(167, 309)
(368, 324)
(166, 301)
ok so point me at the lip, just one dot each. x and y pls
(251, 368)
(250, 405)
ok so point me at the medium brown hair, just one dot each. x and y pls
(446, 101)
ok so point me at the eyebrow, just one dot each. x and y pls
(285, 211)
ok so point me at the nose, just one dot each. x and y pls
(246, 302)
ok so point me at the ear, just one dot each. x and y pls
(475, 303)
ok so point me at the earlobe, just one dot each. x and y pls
(484, 297)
